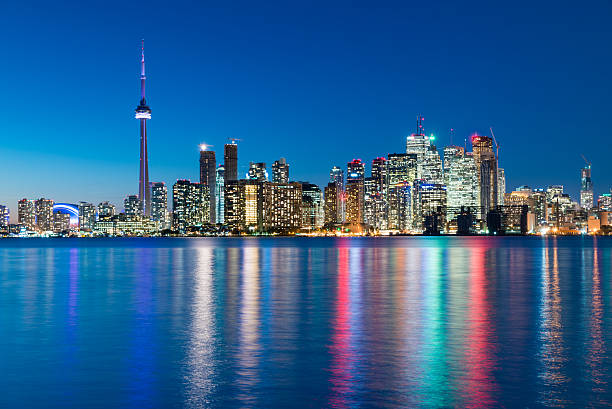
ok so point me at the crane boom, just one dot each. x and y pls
(496, 144)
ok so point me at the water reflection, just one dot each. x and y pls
(596, 345)
(201, 363)
(552, 347)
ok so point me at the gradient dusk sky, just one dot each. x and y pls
(317, 83)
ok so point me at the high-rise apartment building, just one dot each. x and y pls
(159, 205)
(430, 207)
(501, 186)
(336, 175)
(355, 195)
(280, 171)
(26, 214)
(44, 214)
(208, 168)
(87, 216)
(401, 167)
(230, 161)
(355, 170)
(400, 207)
(61, 222)
(257, 171)
(486, 167)
(190, 204)
(312, 206)
(432, 166)
(106, 211)
(379, 173)
(220, 181)
(133, 208)
(586, 188)
(332, 214)
(4, 216)
(282, 206)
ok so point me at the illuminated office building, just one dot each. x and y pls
(462, 185)
(432, 166)
(401, 167)
(586, 188)
(280, 171)
(486, 168)
(429, 207)
(208, 167)
(87, 216)
(400, 207)
(379, 174)
(418, 144)
(355, 170)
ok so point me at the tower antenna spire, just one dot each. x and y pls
(143, 77)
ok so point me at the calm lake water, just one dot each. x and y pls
(306, 322)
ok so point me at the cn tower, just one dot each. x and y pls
(143, 112)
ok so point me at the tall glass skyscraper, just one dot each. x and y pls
(220, 180)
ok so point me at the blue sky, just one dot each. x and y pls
(318, 83)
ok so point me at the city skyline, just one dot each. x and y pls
(105, 170)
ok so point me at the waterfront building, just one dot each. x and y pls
(61, 222)
(312, 206)
(220, 181)
(486, 168)
(540, 207)
(208, 167)
(143, 114)
(4, 216)
(257, 171)
(379, 174)
(244, 204)
(133, 208)
(336, 175)
(586, 188)
(280, 171)
(604, 203)
(282, 206)
(332, 203)
(462, 184)
(87, 216)
(399, 202)
(429, 207)
(190, 204)
(354, 199)
(230, 161)
(106, 210)
(501, 186)
(159, 205)
(44, 214)
(116, 226)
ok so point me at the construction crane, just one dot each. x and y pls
(233, 140)
(496, 144)
(586, 161)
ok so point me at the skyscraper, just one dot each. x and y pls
(463, 188)
(230, 161)
(257, 171)
(332, 215)
(280, 171)
(220, 181)
(336, 175)
(26, 214)
(143, 113)
(133, 208)
(159, 204)
(87, 216)
(4, 216)
(501, 186)
(418, 144)
(44, 214)
(379, 173)
(190, 204)
(486, 167)
(208, 165)
(586, 188)
(355, 169)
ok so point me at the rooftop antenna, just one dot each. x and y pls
(452, 133)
